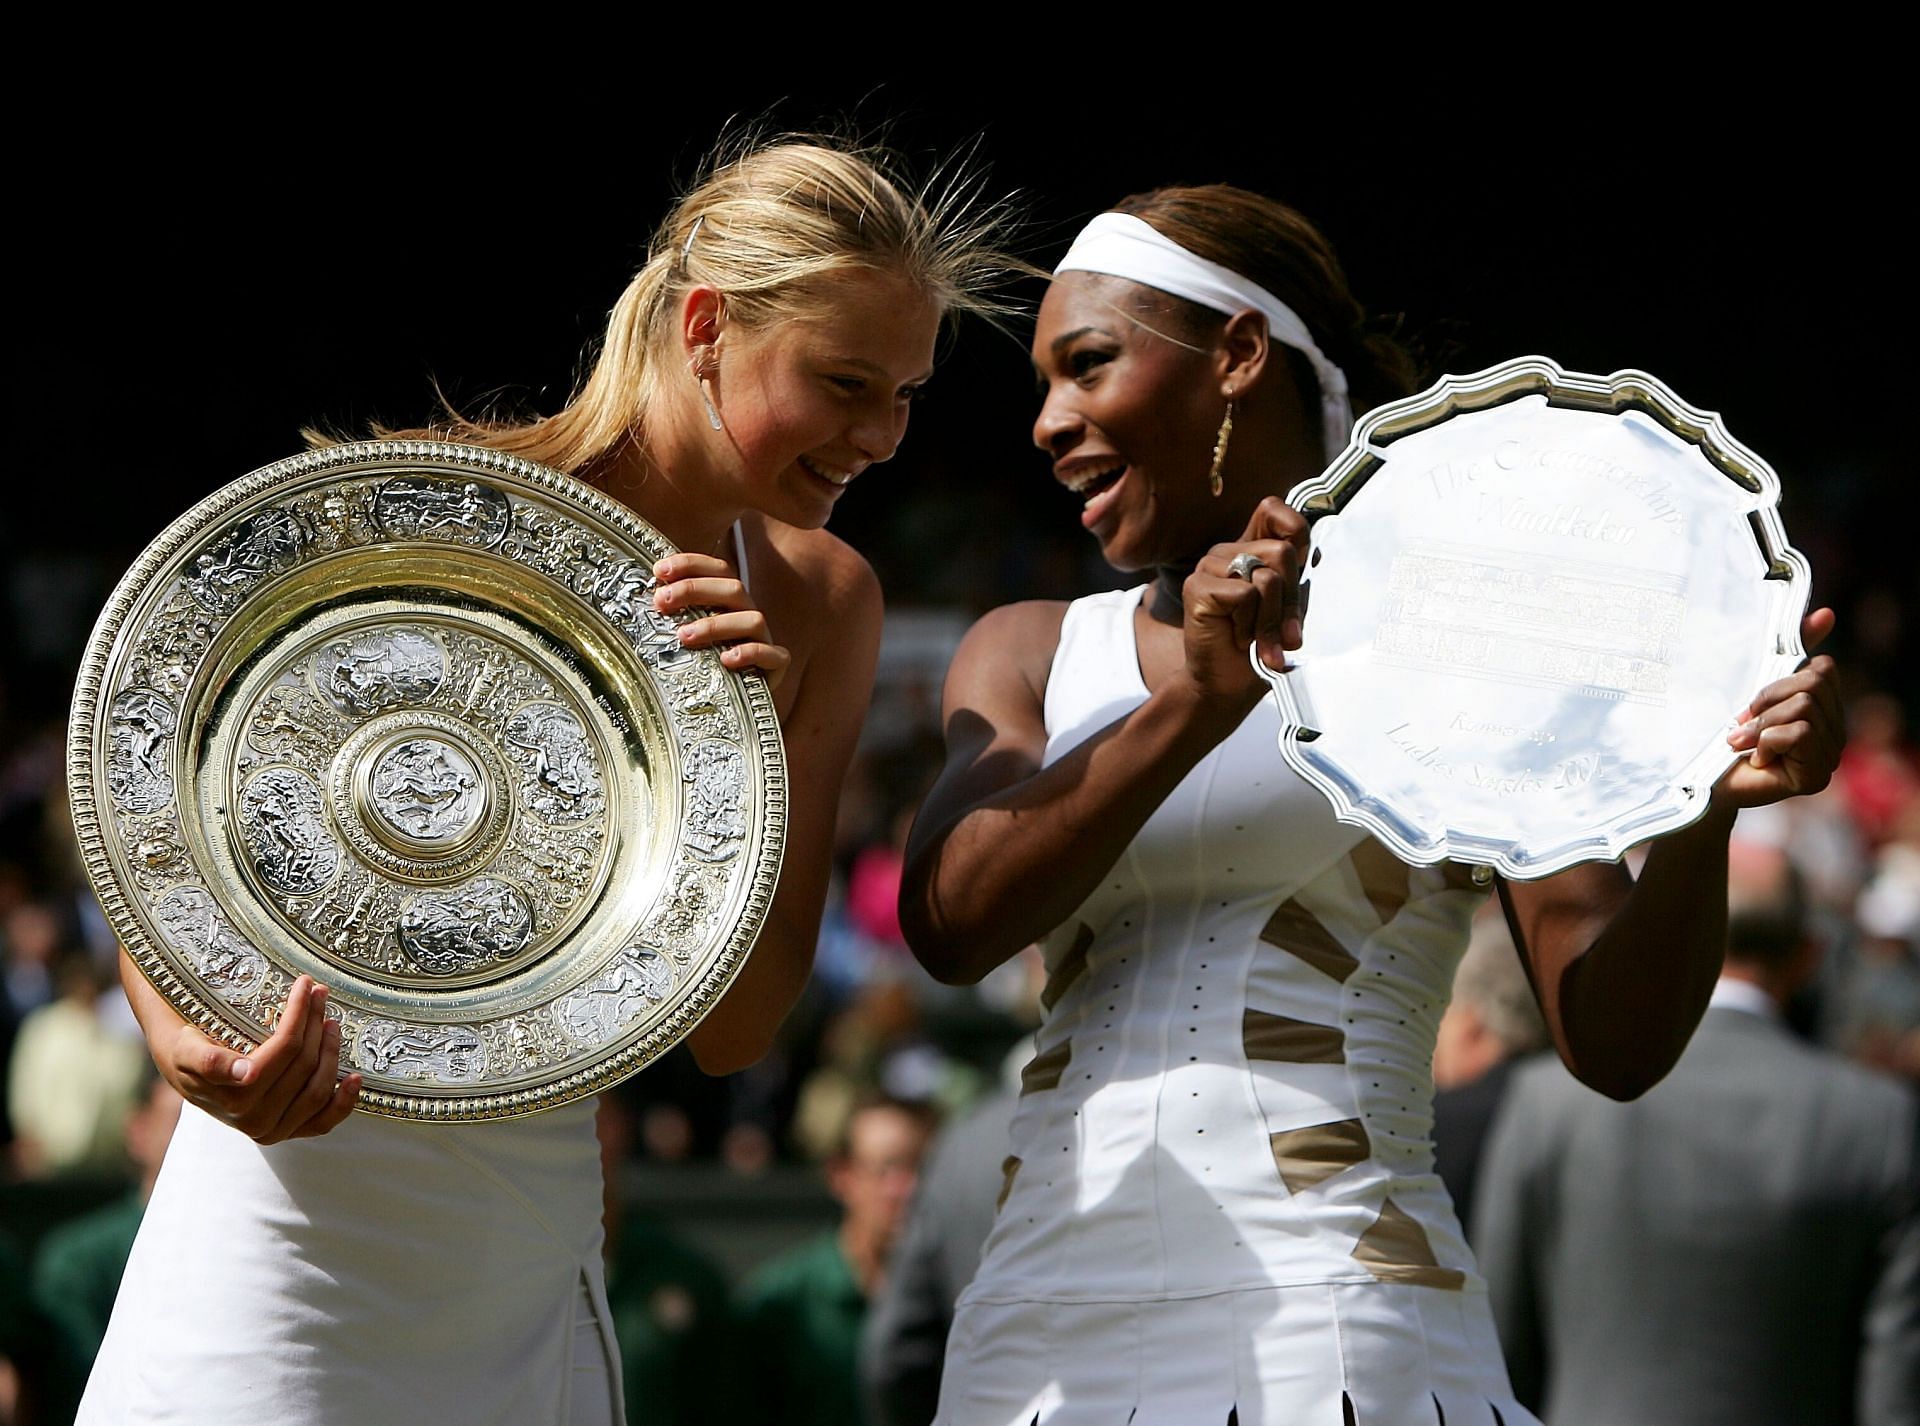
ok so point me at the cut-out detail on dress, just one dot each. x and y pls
(1069, 969)
(1316, 1153)
(1395, 1249)
(1440, 1412)
(1297, 931)
(1346, 1410)
(1043, 1071)
(1297, 1042)
(1385, 880)
(1009, 1166)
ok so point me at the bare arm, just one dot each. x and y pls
(1004, 850)
(1623, 967)
(289, 1087)
(820, 729)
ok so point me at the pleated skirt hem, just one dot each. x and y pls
(1374, 1354)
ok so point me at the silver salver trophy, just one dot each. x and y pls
(1535, 601)
(401, 716)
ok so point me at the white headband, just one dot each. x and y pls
(1121, 245)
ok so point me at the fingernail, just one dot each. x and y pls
(687, 633)
(242, 1071)
(662, 569)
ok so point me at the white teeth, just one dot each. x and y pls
(838, 477)
(1079, 481)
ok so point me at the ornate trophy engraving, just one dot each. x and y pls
(137, 776)
(381, 670)
(1536, 599)
(283, 826)
(401, 716)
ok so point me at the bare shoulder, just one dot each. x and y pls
(1015, 641)
(822, 572)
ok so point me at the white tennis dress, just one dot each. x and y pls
(1221, 1198)
(387, 1272)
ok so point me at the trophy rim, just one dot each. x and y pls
(760, 741)
(1325, 495)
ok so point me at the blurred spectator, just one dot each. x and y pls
(904, 1341)
(672, 1317)
(1740, 1245)
(76, 1273)
(1879, 1011)
(74, 1076)
(1879, 773)
(873, 887)
(804, 1310)
(31, 936)
(1491, 1021)
(857, 1046)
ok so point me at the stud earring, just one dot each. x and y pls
(1220, 449)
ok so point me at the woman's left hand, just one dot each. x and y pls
(1791, 733)
(738, 628)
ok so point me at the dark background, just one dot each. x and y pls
(218, 269)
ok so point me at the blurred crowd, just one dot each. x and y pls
(877, 1063)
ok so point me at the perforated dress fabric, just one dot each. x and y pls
(1220, 1197)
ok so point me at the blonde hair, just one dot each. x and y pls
(771, 226)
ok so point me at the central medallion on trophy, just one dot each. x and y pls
(421, 795)
(427, 794)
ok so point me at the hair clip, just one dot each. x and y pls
(692, 233)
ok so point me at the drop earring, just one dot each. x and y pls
(1214, 481)
(701, 374)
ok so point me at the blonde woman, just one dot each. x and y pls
(299, 1264)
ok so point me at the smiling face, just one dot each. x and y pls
(808, 405)
(1129, 418)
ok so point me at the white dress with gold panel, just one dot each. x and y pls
(1221, 1197)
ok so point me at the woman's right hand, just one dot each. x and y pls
(287, 1088)
(1225, 613)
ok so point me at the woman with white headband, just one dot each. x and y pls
(1220, 1203)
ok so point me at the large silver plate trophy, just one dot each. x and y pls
(401, 716)
(1535, 600)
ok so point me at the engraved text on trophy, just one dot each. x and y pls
(1600, 631)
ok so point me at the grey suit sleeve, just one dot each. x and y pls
(904, 1339)
(1512, 1222)
(1890, 1340)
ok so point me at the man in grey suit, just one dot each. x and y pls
(1740, 1245)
